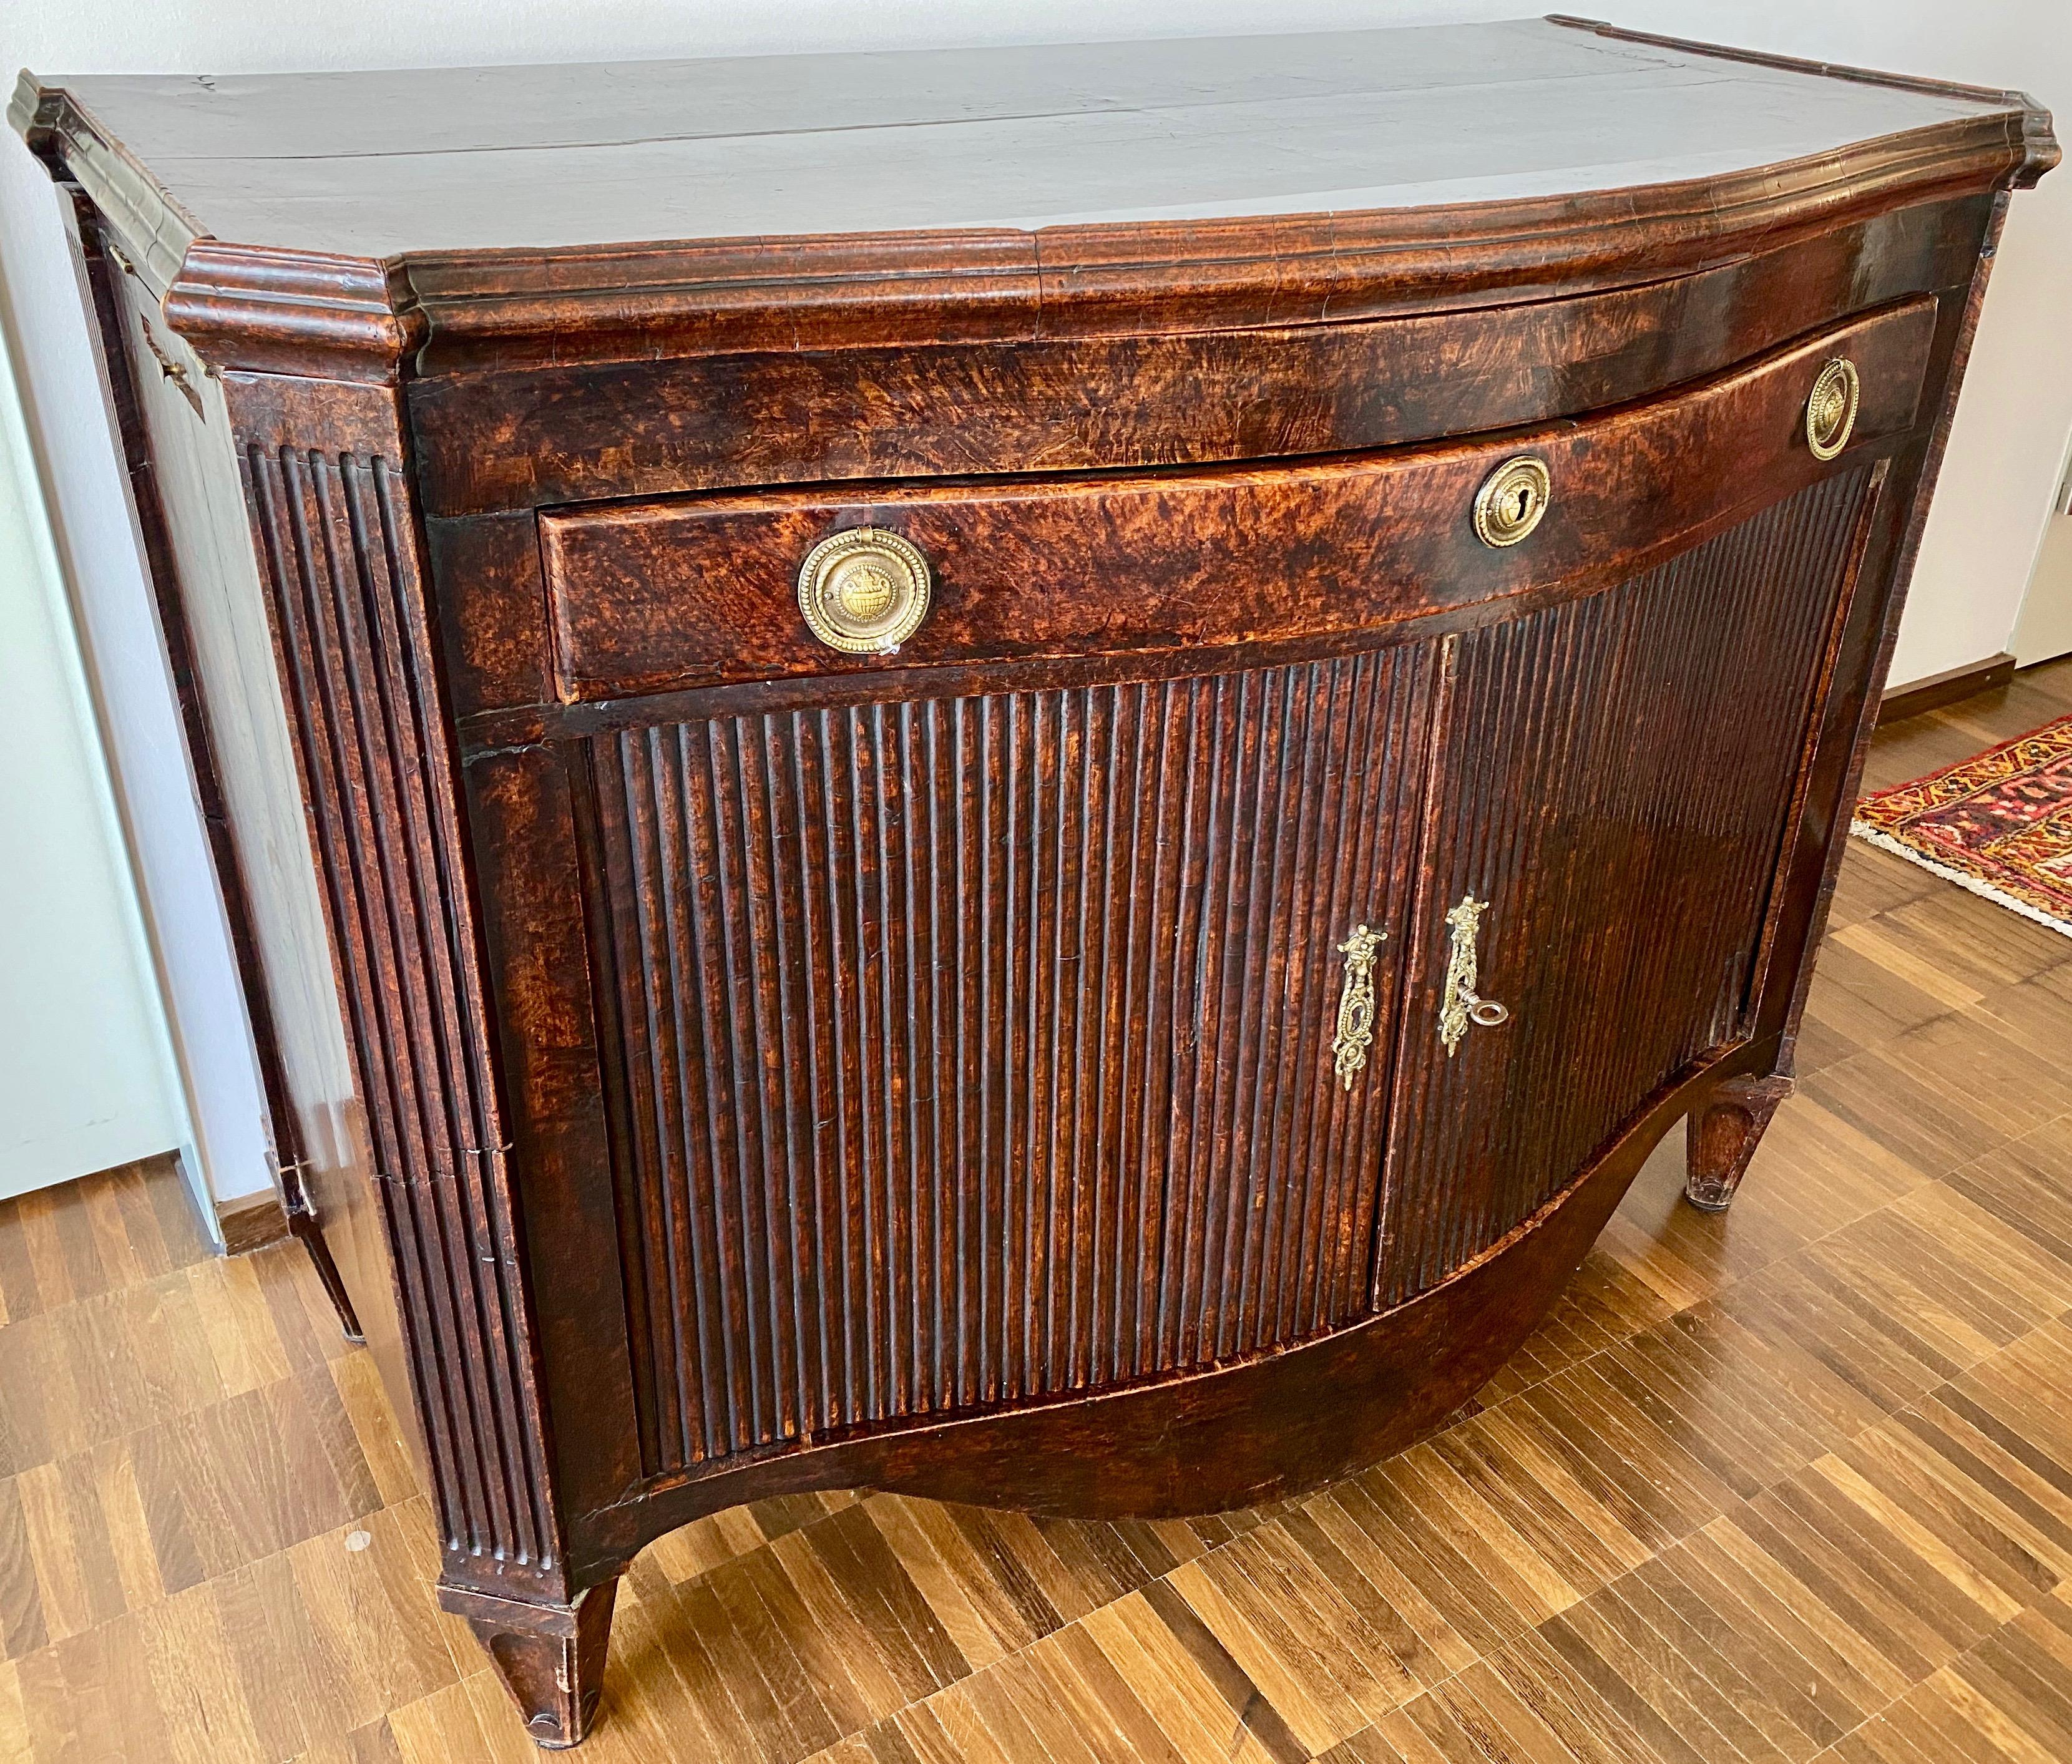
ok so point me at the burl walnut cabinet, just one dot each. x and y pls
(1024, 775)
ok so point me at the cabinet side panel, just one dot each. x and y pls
(186, 480)
(1612, 781)
(325, 480)
(979, 1050)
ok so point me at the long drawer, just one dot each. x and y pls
(650, 597)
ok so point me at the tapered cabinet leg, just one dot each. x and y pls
(550, 1657)
(311, 1238)
(302, 1221)
(1722, 1134)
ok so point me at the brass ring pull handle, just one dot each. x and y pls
(863, 591)
(1355, 1031)
(1459, 1003)
(1512, 499)
(1831, 408)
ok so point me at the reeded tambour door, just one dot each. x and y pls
(974, 1049)
(1611, 789)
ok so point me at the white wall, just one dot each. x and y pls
(87, 1079)
(97, 541)
(2011, 432)
(2015, 413)
(2044, 630)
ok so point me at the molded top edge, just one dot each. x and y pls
(377, 164)
(519, 215)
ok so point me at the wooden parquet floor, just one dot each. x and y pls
(1794, 1483)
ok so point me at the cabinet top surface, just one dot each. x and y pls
(378, 164)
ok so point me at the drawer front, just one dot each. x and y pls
(653, 596)
(971, 1050)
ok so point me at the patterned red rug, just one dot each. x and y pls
(1999, 824)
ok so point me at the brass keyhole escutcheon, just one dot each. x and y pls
(1355, 1025)
(1459, 1003)
(865, 591)
(1512, 500)
(1831, 409)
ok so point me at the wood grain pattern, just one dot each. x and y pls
(536, 435)
(1626, 887)
(1723, 1133)
(709, 1000)
(1787, 1482)
(333, 532)
(718, 298)
(979, 1050)
(651, 597)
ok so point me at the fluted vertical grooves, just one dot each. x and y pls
(357, 646)
(1613, 780)
(978, 1049)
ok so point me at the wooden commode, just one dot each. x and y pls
(1024, 775)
